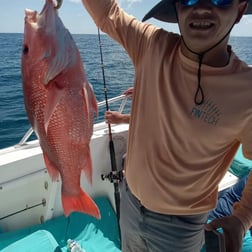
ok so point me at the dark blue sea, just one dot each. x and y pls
(119, 75)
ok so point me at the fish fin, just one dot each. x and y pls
(93, 98)
(87, 168)
(53, 172)
(55, 93)
(80, 203)
(61, 61)
(85, 100)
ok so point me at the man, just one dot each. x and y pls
(190, 112)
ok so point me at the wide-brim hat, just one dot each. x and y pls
(165, 11)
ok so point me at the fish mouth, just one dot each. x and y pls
(32, 16)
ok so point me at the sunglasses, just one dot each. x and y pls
(217, 3)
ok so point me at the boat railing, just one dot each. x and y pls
(122, 98)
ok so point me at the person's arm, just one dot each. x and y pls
(99, 10)
(129, 92)
(116, 117)
(120, 26)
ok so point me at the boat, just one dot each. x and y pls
(32, 200)
(31, 214)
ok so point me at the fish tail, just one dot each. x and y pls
(80, 203)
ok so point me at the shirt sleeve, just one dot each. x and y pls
(131, 33)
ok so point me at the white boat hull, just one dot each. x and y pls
(27, 192)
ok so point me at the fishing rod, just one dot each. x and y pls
(114, 176)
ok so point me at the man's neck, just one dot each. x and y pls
(216, 57)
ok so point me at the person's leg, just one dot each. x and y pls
(145, 231)
(173, 233)
(130, 223)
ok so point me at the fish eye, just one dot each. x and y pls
(25, 49)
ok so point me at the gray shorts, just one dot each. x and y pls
(143, 230)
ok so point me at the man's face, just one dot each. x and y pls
(204, 24)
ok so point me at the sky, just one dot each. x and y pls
(78, 21)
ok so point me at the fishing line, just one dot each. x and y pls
(114, 176)
(104, 82)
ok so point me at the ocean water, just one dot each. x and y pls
(119, 75)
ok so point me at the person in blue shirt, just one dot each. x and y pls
(225, 207)
(228, 198)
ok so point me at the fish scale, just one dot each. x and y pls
(60, 104)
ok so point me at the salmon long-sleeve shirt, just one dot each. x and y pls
(179, 151)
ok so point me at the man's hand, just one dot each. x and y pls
(233, 230)
(129, 92)
(116, 117)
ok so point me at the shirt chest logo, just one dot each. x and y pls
(208, 113)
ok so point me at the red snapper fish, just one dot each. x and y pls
(60, 104)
